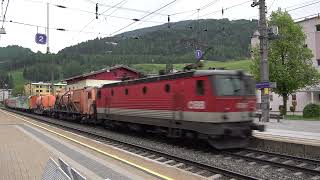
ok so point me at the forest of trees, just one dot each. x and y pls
(221, 40)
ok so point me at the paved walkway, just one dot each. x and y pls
(25, 151)
(294, 128)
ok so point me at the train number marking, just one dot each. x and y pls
(196, 105)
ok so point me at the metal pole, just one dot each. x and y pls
(48, 50)
(264, 66)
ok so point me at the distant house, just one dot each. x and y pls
(311, 28)
(43, 88)
(103, 76)
(4, 94)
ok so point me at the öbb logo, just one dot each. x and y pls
(196, 105)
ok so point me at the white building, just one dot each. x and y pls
(4, 94)
(311, 28)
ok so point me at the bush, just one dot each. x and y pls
(311, 110)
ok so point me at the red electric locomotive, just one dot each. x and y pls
(211, 104)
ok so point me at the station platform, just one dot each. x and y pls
(298, 131)
(25, 151)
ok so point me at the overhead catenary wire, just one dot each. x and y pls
(92, 12)
(303, 6)
(300, 4)
(127, 9)
(95, 18)
(57, 29)
(230, 7)
(143, 17)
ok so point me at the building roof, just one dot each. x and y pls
(48, 84)
(102, 71)
(309, 18)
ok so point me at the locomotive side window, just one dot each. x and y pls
(112, 92)
(144, 90)
(126, 91)
(167, 88)
(99, 94)
(200, 87)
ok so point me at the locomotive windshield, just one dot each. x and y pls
(232, 85)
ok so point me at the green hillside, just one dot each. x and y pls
(147, 49)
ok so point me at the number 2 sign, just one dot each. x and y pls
(41, 38)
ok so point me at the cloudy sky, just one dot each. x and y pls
(78, 18)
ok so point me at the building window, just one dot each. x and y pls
(40, 90)
(37, 90)
(318, 60)
(318, 27)
(200, 87)
(47, 90)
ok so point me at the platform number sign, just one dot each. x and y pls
(41, 38)
(198, 54)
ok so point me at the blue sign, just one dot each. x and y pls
(41, 38)
(198, 54)
(262, 85)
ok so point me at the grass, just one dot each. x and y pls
(299, 117)
(233, 65)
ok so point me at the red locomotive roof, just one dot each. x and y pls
(195, 73)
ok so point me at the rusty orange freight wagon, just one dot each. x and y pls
(76, 104)
(42, 104)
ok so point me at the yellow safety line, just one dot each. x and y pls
(95, 149)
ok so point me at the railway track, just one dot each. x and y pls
(296, 166)
(198, 168)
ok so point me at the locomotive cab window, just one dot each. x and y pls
(200, 87)
(144, 90)
(99, 94)
(232, 85)
(167, 88)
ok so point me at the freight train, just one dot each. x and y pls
(215, 105)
